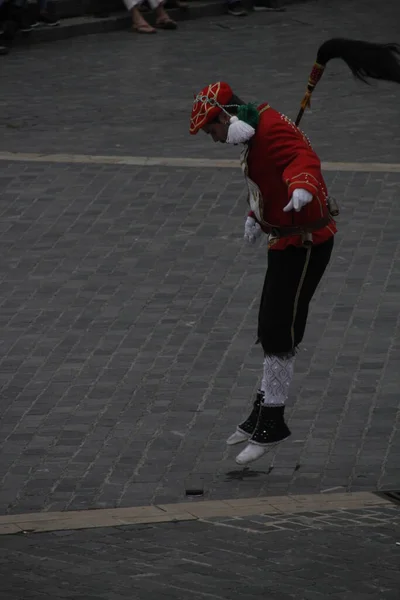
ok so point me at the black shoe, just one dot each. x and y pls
(236, 9)
(271, 426)
(271, 429)
(249, 425)
(45, 19)
(245, 430)
(27, 26)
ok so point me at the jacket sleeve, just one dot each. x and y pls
(291, 152)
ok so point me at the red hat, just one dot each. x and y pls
(208, 104)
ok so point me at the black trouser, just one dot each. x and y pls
(292, 277)
(11, 16)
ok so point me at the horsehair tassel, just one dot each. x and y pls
(364, 59)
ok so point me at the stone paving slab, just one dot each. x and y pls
(128, 316)
(346, 555)
(279, 506)
(123, 94)
(159, 161)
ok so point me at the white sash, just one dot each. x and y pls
(255, 196)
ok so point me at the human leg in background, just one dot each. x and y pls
(292, 277)
(163, 20)
(12, 19)
(140, 25)
(44, 18)
(4, 48)
(27, 22)
(236, 8)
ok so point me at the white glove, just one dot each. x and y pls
(252, 230)
(299, 199)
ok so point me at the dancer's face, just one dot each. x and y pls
(218, 129)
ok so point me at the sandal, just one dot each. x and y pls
(166, 24)
(144, 28)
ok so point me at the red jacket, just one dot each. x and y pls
(281, 159)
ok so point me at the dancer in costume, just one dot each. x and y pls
(287, 197)
(289, 202)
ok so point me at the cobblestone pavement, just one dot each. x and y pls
(128, 314)
(343, 555)
(128, 301)
(124, 94)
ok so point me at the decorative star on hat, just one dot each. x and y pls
(213, 100)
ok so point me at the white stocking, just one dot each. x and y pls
(277, 377)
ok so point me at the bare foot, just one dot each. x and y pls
(164, 21)
(139, 24)
(143, 28)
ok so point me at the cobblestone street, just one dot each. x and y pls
(128, 319)
(129, 306)
(340, 555)
(125, 94)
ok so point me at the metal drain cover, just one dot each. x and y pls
(194, 492)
